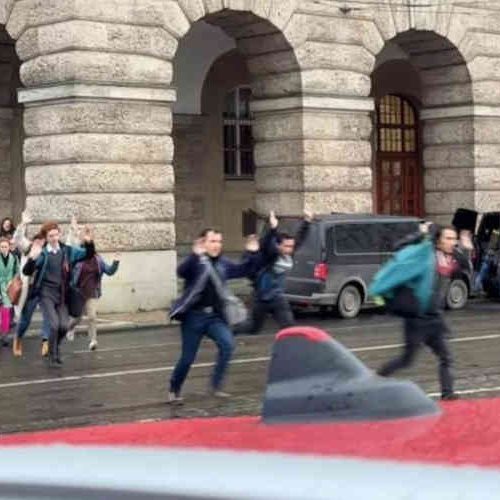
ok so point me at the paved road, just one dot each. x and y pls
(126, 379)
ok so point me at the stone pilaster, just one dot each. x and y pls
(448, 158)
(315, 155)
(98, 123)
(313, 124)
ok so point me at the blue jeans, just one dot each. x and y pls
(195, 325)
(482, 275)
(25, 319)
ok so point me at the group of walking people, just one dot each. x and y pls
(205, 307)
(413, 285)
(63, 279)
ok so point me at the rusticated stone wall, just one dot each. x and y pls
(11, 172)
(98, 122)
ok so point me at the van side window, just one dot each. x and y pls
(392, 232)
(356, 238)
(371, 238)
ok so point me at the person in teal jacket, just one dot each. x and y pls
(413, 267)
(413, 283)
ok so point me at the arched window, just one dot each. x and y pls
(399, 172)
(238, 139)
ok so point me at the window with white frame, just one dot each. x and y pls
(238, 140)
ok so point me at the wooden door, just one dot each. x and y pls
(399, 172)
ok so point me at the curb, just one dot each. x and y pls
(116, 327)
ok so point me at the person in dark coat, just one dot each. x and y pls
(427, 325)
(201, 310)
(275, 261)
(53, 264)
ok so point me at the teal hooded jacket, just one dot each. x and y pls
(414, 267)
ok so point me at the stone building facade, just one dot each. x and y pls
(122, 112)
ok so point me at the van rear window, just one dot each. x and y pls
(368, 238)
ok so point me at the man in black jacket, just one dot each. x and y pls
(201, 307)
(276, 259)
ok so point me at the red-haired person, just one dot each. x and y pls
(53, 264)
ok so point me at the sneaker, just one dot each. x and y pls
(17, 347)
(70, 336)
(93, 345)
(174, 399)
(45, 348)
(220, 394)
(54, 362)
(5, 341)
(450, 397)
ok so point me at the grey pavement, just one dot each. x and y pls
(126, 378)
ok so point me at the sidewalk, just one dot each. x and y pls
(107, 323)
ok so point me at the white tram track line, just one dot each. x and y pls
(243, 361)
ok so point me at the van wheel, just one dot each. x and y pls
(349, 302)
(457, 295)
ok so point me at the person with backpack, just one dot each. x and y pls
(53, 264)
(202, 308)
(9, 268)
(275, 260)
(414, 284)
(86, 280)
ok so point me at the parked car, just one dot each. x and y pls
(340, 256)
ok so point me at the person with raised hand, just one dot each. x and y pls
(275, 261)
(86, 278)
(53, 263)
(201, 308)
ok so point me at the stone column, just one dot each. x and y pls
(325, 164)
(487, 158)
(313, 122)
(98, 146)
(448, 157)
(481, 48)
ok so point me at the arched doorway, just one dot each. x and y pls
(399, 170)
(230, 154)
(429, 73)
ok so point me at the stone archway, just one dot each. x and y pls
(98, 102)
(428, 69)
(223, 52)
(12, 192)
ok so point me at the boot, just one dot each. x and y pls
(58, 350)
(53, 357)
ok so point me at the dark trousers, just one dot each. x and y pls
(432, 331)
(55, 313)
(194, 326)
(278, 308)
(25, 319)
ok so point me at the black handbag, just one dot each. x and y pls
(76, 302)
